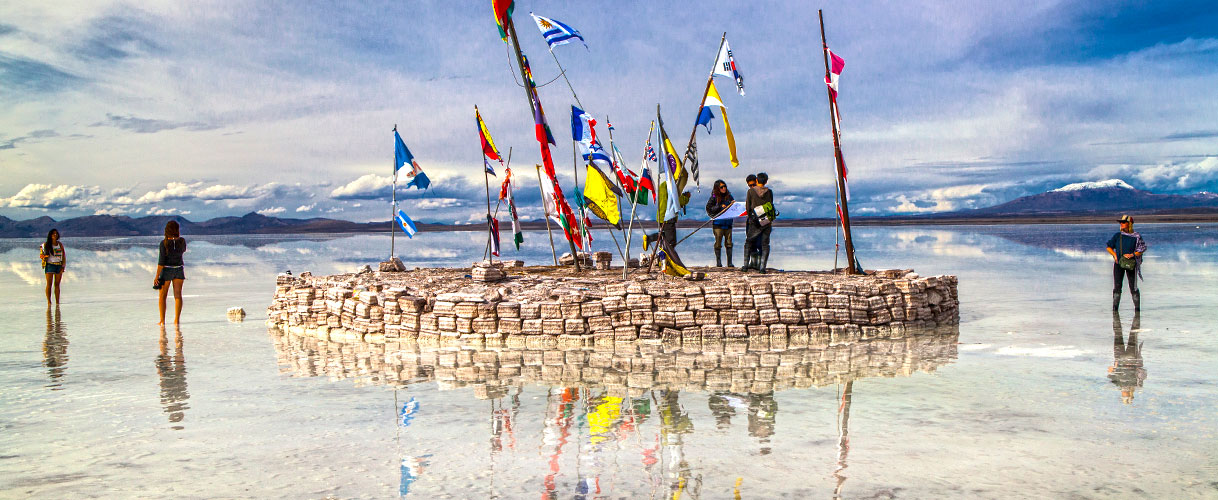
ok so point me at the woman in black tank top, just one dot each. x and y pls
(170, 270)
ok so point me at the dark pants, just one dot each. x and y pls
(762, 240)
(1118, 276)
(723, 235)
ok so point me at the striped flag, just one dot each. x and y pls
(494, 235)
(556, 33)
(712, 98)
(503, 13)
(836, 65)
(488, 145)
(406, 224)
(505, 193)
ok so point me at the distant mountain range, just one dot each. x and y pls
(1081, 201)
(1112, 196)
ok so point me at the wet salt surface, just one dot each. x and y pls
(91, 405)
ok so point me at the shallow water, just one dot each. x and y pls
(1034, 398)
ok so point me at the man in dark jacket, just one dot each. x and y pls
(720, 200)
(760, 208)
(1126, 246)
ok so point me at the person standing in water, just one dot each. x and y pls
(1126, 248)
(169, 270)
(53, 262)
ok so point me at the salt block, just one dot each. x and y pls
(236, 314)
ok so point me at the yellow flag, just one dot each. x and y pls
(712, 97)
(599, 193)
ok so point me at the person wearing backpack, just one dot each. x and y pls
(760, 208)
(720, 199)
(1126, 248)
(53, 262)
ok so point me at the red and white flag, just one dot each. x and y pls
(836, 64)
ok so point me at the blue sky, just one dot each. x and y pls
(228, 107)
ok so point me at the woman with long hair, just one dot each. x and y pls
(53, 262)
(169, 270)
(721, 198)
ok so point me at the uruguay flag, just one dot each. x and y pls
(556, 33)
(407, 224)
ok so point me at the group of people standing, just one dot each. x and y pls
(760, 213)
(170, 269)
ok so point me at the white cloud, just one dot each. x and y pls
(52, 196)
(272, 210)
(305, 208)
(434, 203)
(1175, 176)
(366, 187)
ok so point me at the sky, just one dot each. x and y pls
(227, 107)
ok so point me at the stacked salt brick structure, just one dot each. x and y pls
(599, 308)
(757, 365)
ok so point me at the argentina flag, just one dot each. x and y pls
(406, 224)
(556, 33)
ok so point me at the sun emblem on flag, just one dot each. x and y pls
(545, 23)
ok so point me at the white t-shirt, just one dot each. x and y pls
(56, 255)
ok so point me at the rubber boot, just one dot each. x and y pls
(1137, 300)
(750, 261)
(765, 259)
(1116, 300)
(719, 257)
(729, 256)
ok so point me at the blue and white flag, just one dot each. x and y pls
(583, 132)
(406, 224)
(401, 154)
(556, 33)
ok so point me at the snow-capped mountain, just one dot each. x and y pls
(1111, 195)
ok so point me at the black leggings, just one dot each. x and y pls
(1118, 276)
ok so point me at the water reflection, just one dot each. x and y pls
(172, 373)
(623, 400)
(55, 349)
(1126, 371)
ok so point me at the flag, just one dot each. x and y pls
(845, 173)
(669, 171)
(601, 197)
(725, 65)
(505, 193)
(645, 186)
(691, 159)
(401, 154)
(556, 208)
(503, 14)
(836, 65)
(420, 180)
(672, 262)
(704, 118)
(736, 209)
(712, 98)
(406, 224)
(625, 177)
(556, 33)
(583, 131)
(494, 235)
(488, 145)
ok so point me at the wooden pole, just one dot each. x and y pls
(613, 156)
(528, 90)
(837, 154)
(546, 211)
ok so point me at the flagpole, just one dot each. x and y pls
(546, 211)
(634, 206)
(528, 91)
(702, 102)
(394, 208)
(661, 211)
(837, 153)
(613, 156)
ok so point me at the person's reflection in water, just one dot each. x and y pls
(1126, 370)
(723, 407)
(172, 370)
(55, 349)
(762, 410)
